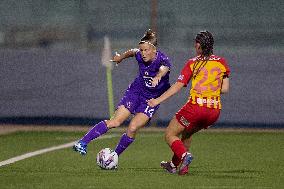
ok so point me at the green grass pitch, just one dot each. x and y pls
(252, 160)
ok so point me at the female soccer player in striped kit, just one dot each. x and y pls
(210, 77)
(151, 82)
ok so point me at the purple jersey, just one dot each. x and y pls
(141, 88)
(147, 71)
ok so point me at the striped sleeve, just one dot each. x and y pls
(224, 63)
(186, 74)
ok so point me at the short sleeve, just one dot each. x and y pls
(186, 74)
(166, 61)
(138, 55)
(227, 69)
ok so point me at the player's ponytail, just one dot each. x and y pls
(150, 38)
(206, 41)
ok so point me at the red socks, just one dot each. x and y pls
(175, 160)
(178, 149)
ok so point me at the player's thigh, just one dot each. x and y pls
(120, 115)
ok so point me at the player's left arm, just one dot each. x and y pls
(225, 80)
(163, 70)
(225, 85)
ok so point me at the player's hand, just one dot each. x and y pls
(155, 81)
(152, 102)
(117, 58)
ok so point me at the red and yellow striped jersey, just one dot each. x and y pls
(207, 77)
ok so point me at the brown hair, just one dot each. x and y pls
(206, 41)
(149, 37)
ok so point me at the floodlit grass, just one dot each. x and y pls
(251, 160)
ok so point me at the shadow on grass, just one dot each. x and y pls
(221, 174)
(217, 174)
(142, 169)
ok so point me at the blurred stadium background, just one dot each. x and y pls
(50, 56)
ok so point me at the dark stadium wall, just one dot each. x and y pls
(58, 87)
(50, 55)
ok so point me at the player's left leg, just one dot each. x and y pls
(172, 137)
(137, 122)
(171, 166)
(172, 133)
(186, 140)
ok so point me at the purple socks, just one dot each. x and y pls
(98, 130)
(124, 142)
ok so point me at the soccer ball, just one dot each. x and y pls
(107, 159)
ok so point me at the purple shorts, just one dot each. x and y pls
(136, 103)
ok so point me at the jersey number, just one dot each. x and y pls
(149, 110)
(148, 81)
(214, 71)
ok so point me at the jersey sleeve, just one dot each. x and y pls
(227, 69)
(186, 74)
(138, 55)
(166, 61)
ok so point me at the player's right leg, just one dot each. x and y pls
(186, 160)
(121, 114)
(169, 166)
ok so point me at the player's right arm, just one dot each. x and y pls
(170, 92)
(119, 57)
(182, 81)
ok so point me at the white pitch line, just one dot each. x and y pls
(42, 151)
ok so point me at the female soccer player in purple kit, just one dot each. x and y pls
(151, 82)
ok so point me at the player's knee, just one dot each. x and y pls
(132, 129)
(113, 123)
